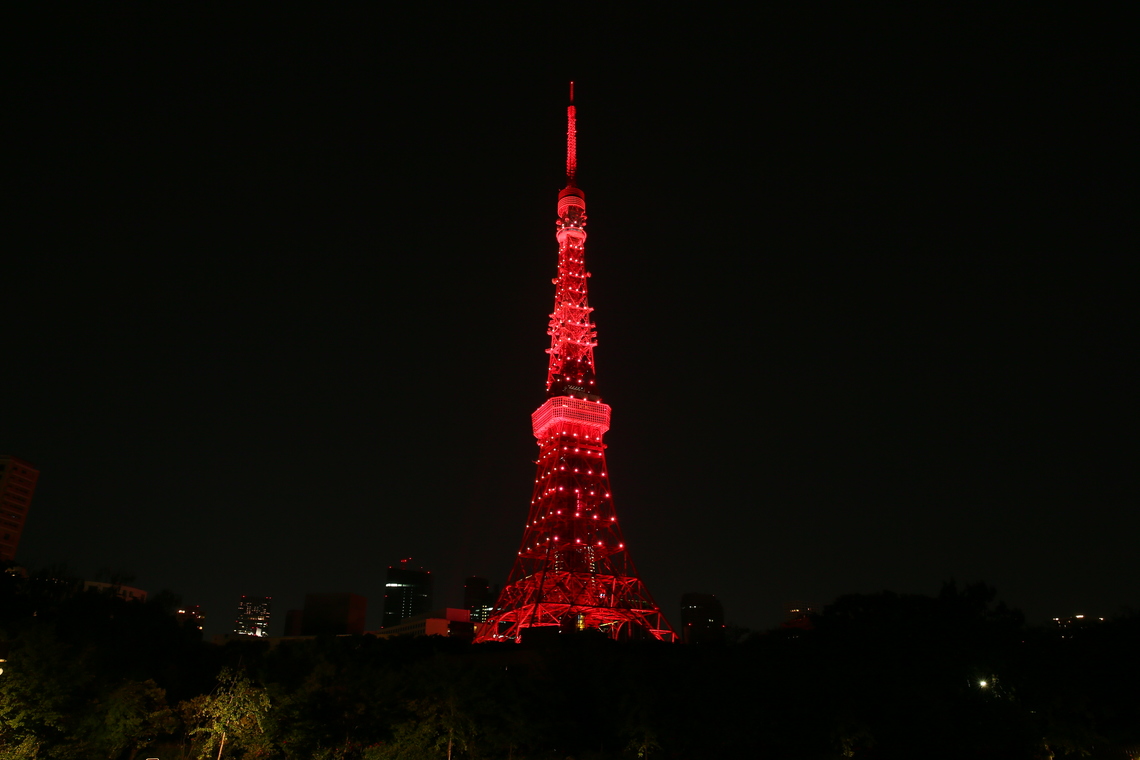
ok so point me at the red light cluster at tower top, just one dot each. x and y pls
(573, 570)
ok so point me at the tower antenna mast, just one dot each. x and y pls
(571, 141)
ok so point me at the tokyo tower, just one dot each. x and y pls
(573, 571)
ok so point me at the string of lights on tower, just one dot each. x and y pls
(573, 571)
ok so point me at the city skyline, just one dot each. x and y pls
(864, 291)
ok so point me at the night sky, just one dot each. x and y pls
(275, 295)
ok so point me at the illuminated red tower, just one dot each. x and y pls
(573, 570)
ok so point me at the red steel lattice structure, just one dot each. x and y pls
(573, 571)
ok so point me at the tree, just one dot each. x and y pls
(439, 728)
(41, 692)
(235, 714)
(25, 748)
(136, 714)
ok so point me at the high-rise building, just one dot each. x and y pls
(253, 616)
(478, 598)
(573, 570)
(702, 619)
(17, 484)
(333, 614)
(294, 622)
(407, 592)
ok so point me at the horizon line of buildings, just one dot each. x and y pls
(409, 609)
(408, 593)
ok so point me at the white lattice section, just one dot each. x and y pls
(592, 414)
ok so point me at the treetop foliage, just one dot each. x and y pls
(875, 676)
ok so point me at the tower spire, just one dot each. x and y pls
(571, 141)
(573, 571)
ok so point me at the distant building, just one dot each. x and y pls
(17, 484)
(702, 619)
(407, 592)
(191, 616)
(445, 622)
(294, 621)
(253, 616)
(127, 593)
(479, 598)
(798, 615)
(333, 614)
(1069, 626)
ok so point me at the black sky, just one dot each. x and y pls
(276, 293)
